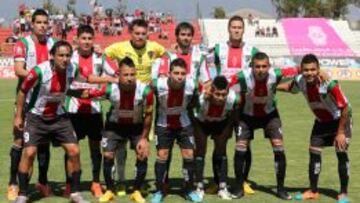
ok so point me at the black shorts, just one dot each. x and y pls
(87, 124)
(323, 134)
(215, 128)
(271, 124)
(165, 137)
(39, 130)
(114, 133)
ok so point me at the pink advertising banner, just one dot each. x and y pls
(314, 35)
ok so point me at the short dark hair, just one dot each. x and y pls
(138, 22)
(127, 61)
(184, 26)
(39, 12)
(259, 56)
(310, 58)
(236, 18)
(220, 82)
(59, 44)
(179, 62)
(85, 29)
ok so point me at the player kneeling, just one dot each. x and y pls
(332, 126)
(215, 116)
(174, 94)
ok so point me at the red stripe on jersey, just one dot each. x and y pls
(187, 58)
(29, 81)
(164, 66)
(260, 90)
(339, 97)
(57, 86)
(126, 103)
(235, 57)
(42, 52)
(19, 50)
(314, 96)
(215, 111)
(85, 69)
(175, 99)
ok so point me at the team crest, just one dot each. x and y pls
(151, 54)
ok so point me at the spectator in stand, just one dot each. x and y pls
(268, 32)
(275, 32)
(250, 19)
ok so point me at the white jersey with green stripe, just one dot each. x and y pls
(48, 89)
(98, 67)
(171, 108)
(258, 97)
(30, 48)
(212, 113)
(119, 113)
(227, 61)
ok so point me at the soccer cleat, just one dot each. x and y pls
(282, 194)
(157, 197)
(308, 195)
(342, 198)
(225, 194)
(200, 192)
(67, 190)
(137, 197)
(44, 189)
(12, 192)
(107, 196)
(96, 189)
(122, 191)
(237, 193)
(193, 196)
(77, 197)
(20, 199)
(247, 189)
(212, 189)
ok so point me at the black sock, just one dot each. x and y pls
(314, 170)
(188, 172)
(199, 171)
(280, 166)
(108, 173)
(75, 181)
(23, 183)
(248, 161)
(68, 178)
(15, 157)
(43, 156)
(215, 164)
(160, 173)
(222, 170)
(239, 164)
(96, 164)
(343, 170)
(168, 163)
(141, 169)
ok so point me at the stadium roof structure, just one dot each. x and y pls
(244, 12)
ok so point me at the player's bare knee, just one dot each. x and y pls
(277, 142)
(241, 145)
(187, 153)
(163, 154)
(72, 150)
(18, 143)
(109, 155)
(30, 152)
(315, 150)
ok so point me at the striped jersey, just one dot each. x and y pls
(93, 65)
(48, 89)
(127, 107)
(172, 104)
(209, 112)
(258, 97)
(195, 61)
(228, 61)
(325, 99)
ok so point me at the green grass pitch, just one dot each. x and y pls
(297, 121)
